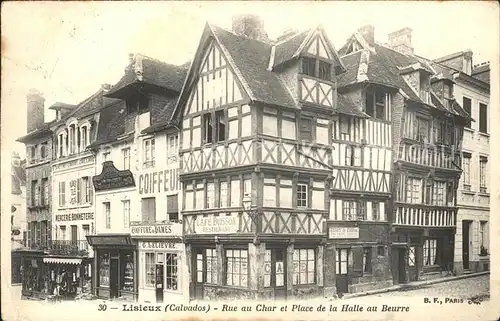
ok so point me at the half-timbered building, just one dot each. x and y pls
(426, 126)
(139, 240)
(256, 161)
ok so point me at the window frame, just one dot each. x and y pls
(302, 193)
(107, 214)
(468, 110)
(430, 251)
(483, 118)
(240, 260)
(148, 145)
(483, 177)
(126, 158)
(126, 213)
(373, 110)
(297, 260)
(367, 261)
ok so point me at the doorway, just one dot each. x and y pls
(275, 271)
(341, 276)
(465, 243)
(113, 278)
(398, 263)
(159, 283)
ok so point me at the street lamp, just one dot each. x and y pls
(247, 207)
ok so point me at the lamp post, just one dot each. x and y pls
(252, 212)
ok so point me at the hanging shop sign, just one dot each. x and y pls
(159, 181)
(216, 224)
(74, 217)
(112, 178)
(343, 232)
(155, 229)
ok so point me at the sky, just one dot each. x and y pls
(67, 50)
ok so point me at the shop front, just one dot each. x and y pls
(420, 254)
(67, 276)
(115, 272)
(162, 262)
(33, 275)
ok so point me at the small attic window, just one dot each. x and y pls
(316, 68)
(137, 104)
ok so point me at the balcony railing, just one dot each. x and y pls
(62, 247)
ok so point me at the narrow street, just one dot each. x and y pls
(462, 289)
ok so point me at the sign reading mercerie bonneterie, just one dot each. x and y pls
(75, 217)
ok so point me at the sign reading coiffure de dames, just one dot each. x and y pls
(155, 229)
(159, 181)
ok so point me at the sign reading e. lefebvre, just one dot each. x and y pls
(343, 232)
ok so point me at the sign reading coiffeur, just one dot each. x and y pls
(159, 181)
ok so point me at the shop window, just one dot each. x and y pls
(267, 268)
(171, 271)
(173, 208)
(304, 266)
(104, 269)
(237, 268)
(429, 254)
(148, 206)
(380, 251)
(199, 268)
(107, 214)
(211, 266)
(127, 264)
(149, 152)
(150, 269)
(302, 195)
(367, 260)
(274, 266)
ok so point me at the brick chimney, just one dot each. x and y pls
(250, 26)
(401, 41)
(35, 115)
(368, 33)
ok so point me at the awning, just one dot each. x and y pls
(61, 260)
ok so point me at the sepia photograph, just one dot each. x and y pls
(278, 160)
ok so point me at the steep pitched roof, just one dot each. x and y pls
(144, 69)
(112, 123)
(44, 130)
(346, 106)
(285, 50)
(161, 116)
(250, 59)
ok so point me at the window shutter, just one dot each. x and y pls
(152, 209)
(79, 190)
(144, 210)
(357, 261)
(172, 204)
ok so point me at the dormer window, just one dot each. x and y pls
(137, 104)
(317, 68)
(424, 87)
(377, 104)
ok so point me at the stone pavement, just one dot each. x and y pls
(466, 286)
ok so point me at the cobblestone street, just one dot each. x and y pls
(464, 288)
